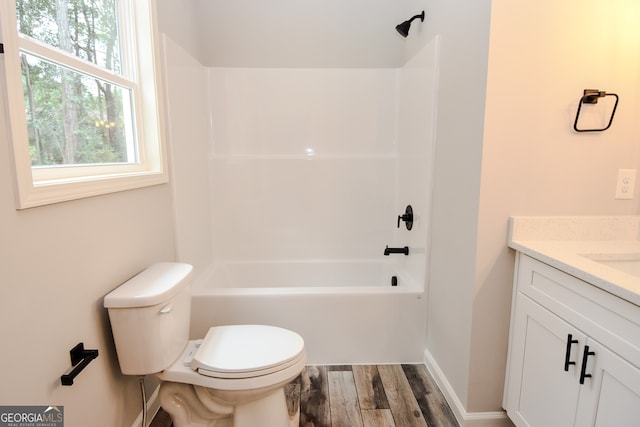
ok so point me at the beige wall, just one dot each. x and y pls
(517, 155)
(542, 55)
(56, 264)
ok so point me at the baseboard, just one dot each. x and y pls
(464, 418)
(153, 406)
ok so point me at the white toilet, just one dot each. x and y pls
(235, 376)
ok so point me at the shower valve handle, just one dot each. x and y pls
(407, 217)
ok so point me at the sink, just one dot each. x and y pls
(626, 263)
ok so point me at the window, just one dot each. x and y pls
(82, 97)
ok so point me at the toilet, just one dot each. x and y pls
(233, 377)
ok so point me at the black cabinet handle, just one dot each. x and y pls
(567, 355)
(585, 356)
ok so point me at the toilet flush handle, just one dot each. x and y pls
(166, 309)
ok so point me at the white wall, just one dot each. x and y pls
(463, 28)
(294, 34)
(179, 21)
(56, 264)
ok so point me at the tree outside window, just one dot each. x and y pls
(73, 118)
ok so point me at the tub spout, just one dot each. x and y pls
(388, 250)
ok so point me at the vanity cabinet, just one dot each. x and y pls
(574, 352)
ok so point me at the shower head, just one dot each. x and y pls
(403, 28)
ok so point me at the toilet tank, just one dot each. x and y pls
(150, 317)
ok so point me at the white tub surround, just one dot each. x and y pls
(574, 343)
(600, 250)
(288, 182)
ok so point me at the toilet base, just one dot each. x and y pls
(270, 411)
(195, 406)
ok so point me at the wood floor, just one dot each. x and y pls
(362, 396)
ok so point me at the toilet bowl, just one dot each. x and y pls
(234, 376)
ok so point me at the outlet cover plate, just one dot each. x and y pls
(626, 184)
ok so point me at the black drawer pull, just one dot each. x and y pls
(567, 355)
(585, 356)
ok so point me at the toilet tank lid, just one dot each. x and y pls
(154, 285)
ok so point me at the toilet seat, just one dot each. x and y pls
(181, 370)
(245, 351)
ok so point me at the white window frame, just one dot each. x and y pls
(37, 186)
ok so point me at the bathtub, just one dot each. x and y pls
(346, 311)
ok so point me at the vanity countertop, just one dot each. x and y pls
(603, 251)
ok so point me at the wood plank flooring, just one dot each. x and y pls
(361, 396)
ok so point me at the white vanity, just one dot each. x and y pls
(574, 342)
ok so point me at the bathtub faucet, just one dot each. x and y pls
(388, 250)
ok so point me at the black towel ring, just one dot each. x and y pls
(591, 96)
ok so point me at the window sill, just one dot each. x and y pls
(55, 191)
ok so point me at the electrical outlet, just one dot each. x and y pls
(626, 183)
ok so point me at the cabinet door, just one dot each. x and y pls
(611, 396)
(541, 392)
